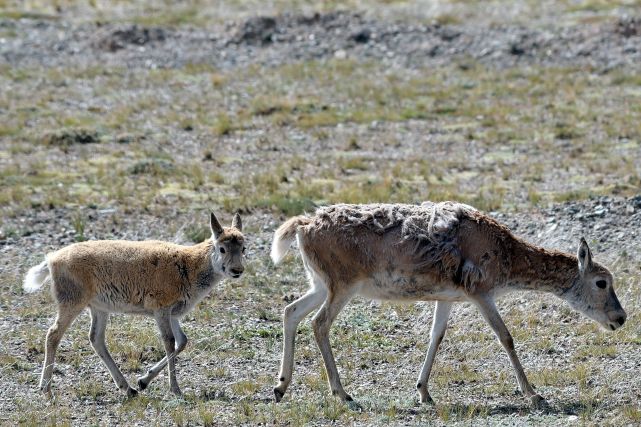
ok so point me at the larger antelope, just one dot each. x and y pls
(447, 252)
(152, 278)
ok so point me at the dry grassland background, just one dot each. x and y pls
(131, 119)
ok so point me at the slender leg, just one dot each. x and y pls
(439, 324)
(181, 343)
(321, 323)
(163, 320)
(97, 339)
(492, 316)
(66, 315)
(294, 313)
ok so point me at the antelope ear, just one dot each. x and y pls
(584, 256)
(237, 223)
(216, 228)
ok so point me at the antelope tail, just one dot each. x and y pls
(285, 235)
(36, 277)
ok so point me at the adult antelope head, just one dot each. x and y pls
(592, 292)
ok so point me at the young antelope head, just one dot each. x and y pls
(592, 292)
(229, 247)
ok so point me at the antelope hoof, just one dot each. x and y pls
(344, 396)
(176, 391)
(278, 395)
(538, 402)
(426, 398)
(47, 393)
(142, 384)
(131, 392)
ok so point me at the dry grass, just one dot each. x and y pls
(204, 12)
(231, 363)
(278, 141)
(501, 118)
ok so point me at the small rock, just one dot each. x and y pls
(151, 166)
(256, 30)
(340, 54)
(628, 26)
(361, 36)
(67, 137)
(516, 49)
(126, 138)
(449, 34)
(120, 38)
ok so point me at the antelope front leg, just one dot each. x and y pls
(492, 316)
(439, 324)
(163, 320)
(321, 323)
(181, 343)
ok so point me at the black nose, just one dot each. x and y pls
(621, 320)
(236, 271)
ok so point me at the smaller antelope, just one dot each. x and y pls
(447, 252)
(152, 278)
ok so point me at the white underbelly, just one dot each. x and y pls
(408, 288)
(119, 307)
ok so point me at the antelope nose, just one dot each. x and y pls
(621, 320)
(236, 271)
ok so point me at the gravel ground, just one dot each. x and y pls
(610, 224)
(276, 40)
(229, 368)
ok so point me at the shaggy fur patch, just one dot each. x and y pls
(432, 227)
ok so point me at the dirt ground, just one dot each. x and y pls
(132, 120)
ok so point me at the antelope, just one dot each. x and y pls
(152, 278)
(445, 252)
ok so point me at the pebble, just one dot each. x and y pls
(340, 54)
(236, 45)
(611, 221)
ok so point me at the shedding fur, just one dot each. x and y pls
(445, 252)
(152, 278)
(430, 228)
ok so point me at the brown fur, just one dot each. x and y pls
(350, 242)
(445, 252)
(146, 275)
(153, 278)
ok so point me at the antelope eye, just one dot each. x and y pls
(243, 249)
(601, 284)
(222, 250)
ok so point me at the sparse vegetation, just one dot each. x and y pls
(488, 111)
(107, 147)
